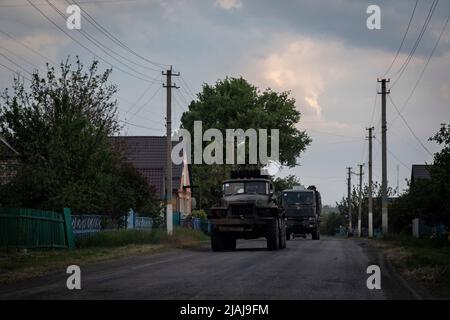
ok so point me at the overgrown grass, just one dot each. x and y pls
(425, 260)
(24, 264)
(181, 236)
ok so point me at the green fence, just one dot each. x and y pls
(35, 229)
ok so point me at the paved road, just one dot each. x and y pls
(332, 268)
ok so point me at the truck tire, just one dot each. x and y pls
(283, 236)
(217, 241)
(316, 235)
(273, 238)
(230, 243)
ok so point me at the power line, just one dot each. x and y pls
(393, 155)
(139, 126)
(140, 98)
(409, 127)
(83, 2)
(145, 104)
(99, 45)
(334, 134)
(111, 37)
(121, 43)
(82, 45)
(14, 63)
(187, 86)
(403, 40)
(47, 59)
(20, 57)
(416, 44)
(423, 69)
(13, 71)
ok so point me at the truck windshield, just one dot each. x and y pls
(249, 187)
(304, 197)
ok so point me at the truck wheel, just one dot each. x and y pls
(283, 236)
(273, 238)
(316, 235)
(230, 243)
(217, 241)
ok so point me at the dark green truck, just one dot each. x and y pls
(303, 209)
(247, 210)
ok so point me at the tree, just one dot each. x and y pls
(330, 222)
(60, 128)
(233, 103)
(285, 183)
(440, 172)
(354, 199)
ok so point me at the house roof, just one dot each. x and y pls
(148, 155)
(420, 171)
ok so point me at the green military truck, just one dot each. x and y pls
(303, 208)
(247, 210)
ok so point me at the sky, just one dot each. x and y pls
(320, 51)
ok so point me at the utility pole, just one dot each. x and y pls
(169, 86)
(349, 200)
(384, 198)
(360, 199)
(370, 204)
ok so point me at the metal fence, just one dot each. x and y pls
(86, 224)
(196, 224)
(35, 229)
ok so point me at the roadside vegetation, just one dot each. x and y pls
(24, 264)
(60, 127)
(424, 260)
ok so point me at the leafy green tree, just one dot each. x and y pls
(233, 103)
(60, 128)
(331, 222)
(427, 199)
(285, 183)
(440, 172)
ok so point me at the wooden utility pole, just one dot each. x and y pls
(384, 197)
(360, 199)
(349, 200)
(169, 209)
(370, 200)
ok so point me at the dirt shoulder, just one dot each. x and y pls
(423, 264)
(19, 265)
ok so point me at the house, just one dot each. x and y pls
(148, 155)
(420, 172)
(9, 161)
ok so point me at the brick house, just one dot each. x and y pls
(148, 155)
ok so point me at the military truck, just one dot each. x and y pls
(247, 210)
(303, 208)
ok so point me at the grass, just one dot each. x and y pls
(424, 260)
(25, 264)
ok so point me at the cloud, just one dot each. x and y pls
(317, 72)
(229, 4)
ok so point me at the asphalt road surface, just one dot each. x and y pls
(332, 268)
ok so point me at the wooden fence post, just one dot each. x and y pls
(68, 230)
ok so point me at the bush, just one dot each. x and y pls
(198, 214)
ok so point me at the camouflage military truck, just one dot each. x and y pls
(303, 208)
(247, 210)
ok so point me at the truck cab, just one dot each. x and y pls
(303, 209)
(247, 210)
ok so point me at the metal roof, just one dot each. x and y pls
(148, 155)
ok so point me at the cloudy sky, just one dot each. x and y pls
(322, 51)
